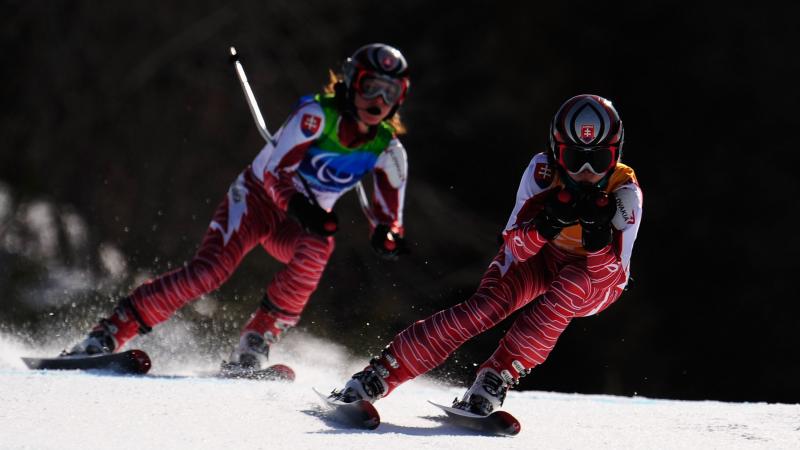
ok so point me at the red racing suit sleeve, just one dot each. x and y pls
(609, 267)
(520, 236)
(389, 182)
(277, 163)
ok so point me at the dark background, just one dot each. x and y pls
(128, 115)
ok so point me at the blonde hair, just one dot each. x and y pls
(330, 89)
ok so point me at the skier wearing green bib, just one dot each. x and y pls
(283, 201)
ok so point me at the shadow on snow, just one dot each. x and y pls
(339, 427)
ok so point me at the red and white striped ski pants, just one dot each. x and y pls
(244, 219)
(564, 288)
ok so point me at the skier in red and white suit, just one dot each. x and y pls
(566, 254)
(284, 202)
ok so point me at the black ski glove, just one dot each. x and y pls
(560, 211)
(388, 244)
(596, 208)
(313, 218)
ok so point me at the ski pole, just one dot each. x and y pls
(364, 202)
(251, 99)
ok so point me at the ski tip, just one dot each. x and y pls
(32, 363)
(282, 372)
(510, 423)
(373, 422)
(437, 405)
(320, 394)
(142, 360)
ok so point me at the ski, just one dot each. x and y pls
(128, 362)
(360, 413)
(498, 422)
(275, 372)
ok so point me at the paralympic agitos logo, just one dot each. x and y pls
(324, 165)
(336, 170)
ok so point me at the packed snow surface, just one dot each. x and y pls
(177, 407)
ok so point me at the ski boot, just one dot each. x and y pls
(487, 392)
(365, 385)
(249, 356)
(100, 341)
(112, 333)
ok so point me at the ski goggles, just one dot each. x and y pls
(597, 160)
(370, 86)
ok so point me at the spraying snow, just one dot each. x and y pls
(174, 408)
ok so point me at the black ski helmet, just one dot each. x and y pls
(586, 130)
(378, 60)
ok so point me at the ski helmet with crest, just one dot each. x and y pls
(586, 132)
(377, 61)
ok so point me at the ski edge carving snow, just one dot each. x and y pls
(127, 362)
(498, 422)
(361, 413)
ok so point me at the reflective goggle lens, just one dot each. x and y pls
(599, 159)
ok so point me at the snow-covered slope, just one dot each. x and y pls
(62, 410)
